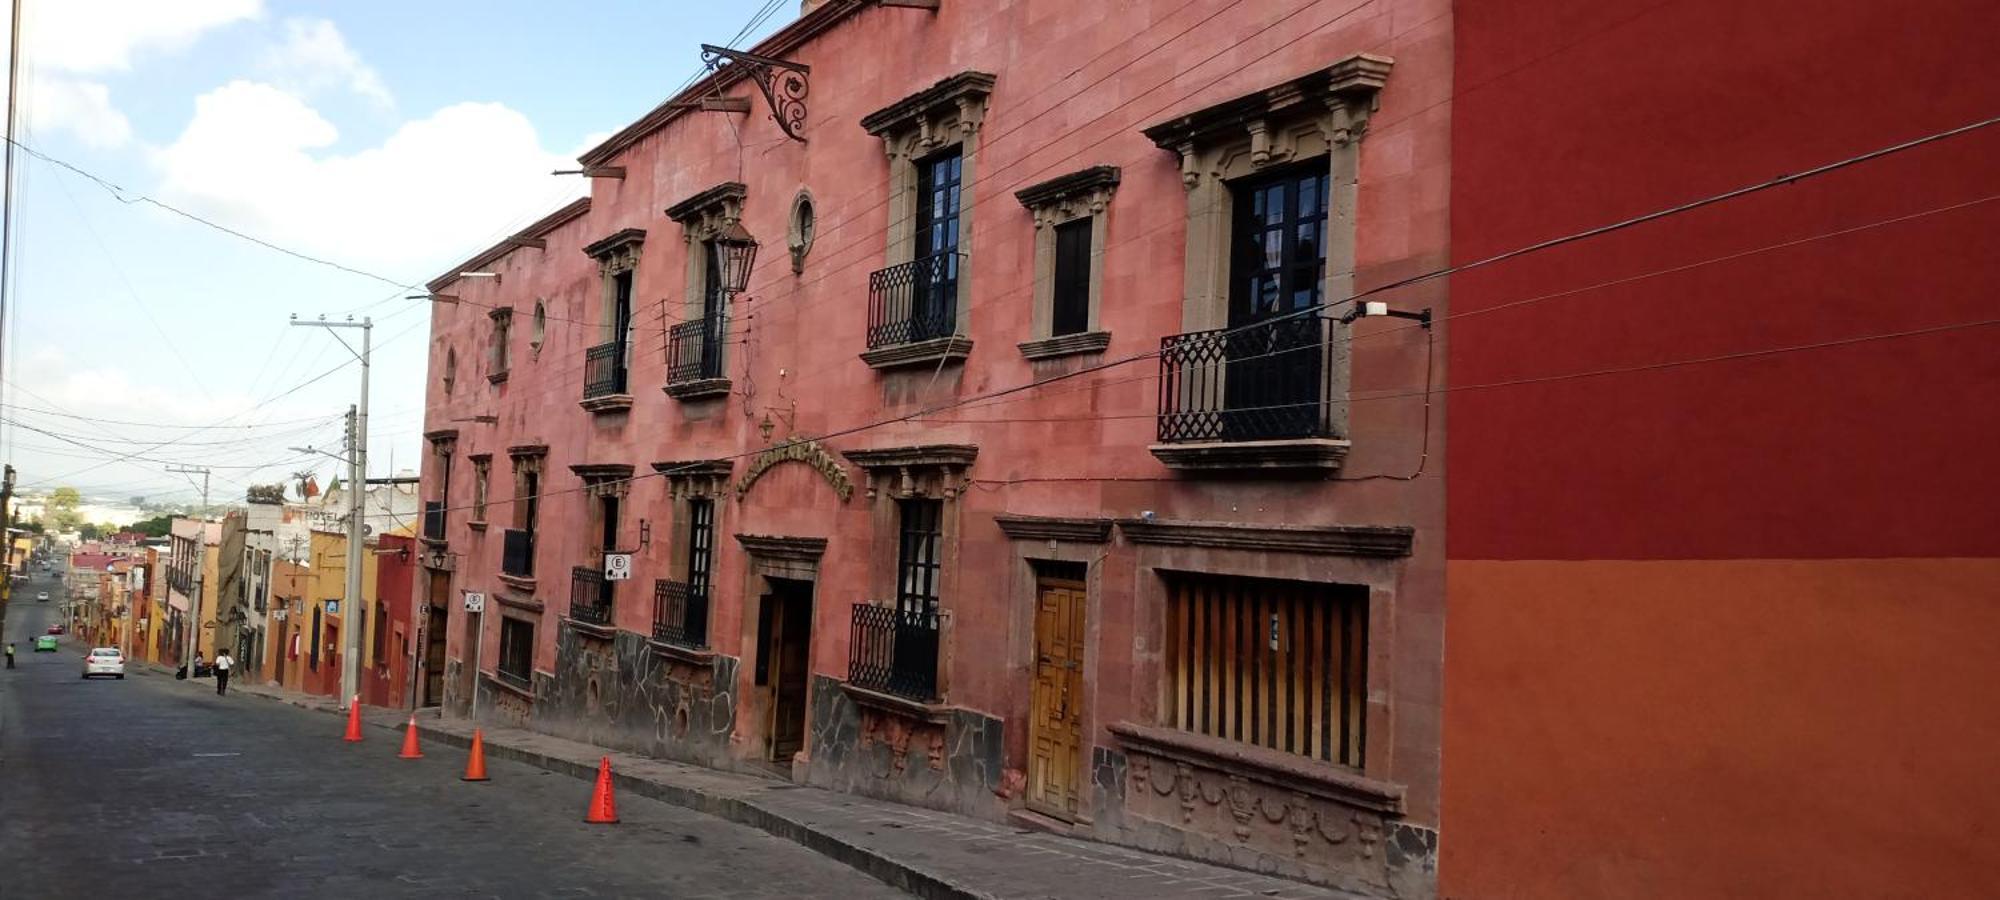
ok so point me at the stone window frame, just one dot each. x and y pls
(450, 379)
(498, 360)
(703, 218)
(539, 329)
(1053, 203)
(1323, 113)
(947, 114)
(801, 229)
(617, 254)
(482, 473)
(931, 471)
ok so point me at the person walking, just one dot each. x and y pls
(10, 654)
(222, 665)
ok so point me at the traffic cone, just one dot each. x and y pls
(475, 765)
(410, 750)
(603, 807)
(354, 720)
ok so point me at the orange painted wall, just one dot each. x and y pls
(1718, 729)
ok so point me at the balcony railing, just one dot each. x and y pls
(694, 349)
(434, 520)
(1266, 381)
(517, 553)
(680, 614)
(590, 596)
(604, 370)
(915, 301)
(894, 651)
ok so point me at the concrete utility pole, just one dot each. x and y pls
(357, 459)
(195, 470)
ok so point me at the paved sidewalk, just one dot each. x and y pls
(930, 854)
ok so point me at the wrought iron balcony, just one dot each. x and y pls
(915, 301)
(434, 520)
(694, 349)
(604, 370)
(680, 614)
(894, 651)
(517, 553)
(1266, 381)
(590, 596)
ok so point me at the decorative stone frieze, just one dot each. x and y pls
(1051, 528)
(710, 212)
(929, 470)
(807, 452)
(695, 478)
(605, 479)
(937, 116)
(1330, 540)
(618, 252)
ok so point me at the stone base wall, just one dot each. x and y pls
(619, 692)
(953, 766)
(1234, 818)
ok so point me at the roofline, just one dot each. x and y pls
(542, 226)
(787, 39)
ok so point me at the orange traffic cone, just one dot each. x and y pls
(354, 720)
(603, 807)
(475, 765)
(410, 750)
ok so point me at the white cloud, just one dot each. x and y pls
(103, 35)
(253, 155)
(82, 108)
(315, 57)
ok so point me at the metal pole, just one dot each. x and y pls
(194, 611)
(350, 670)
(7, 206)
(478, 650)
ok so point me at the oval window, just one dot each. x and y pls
(805, 226)
(539, 329)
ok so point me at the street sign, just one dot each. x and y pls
(617, 566)
(475, 601)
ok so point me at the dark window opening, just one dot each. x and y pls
(517, 650)
(1071, 314)
(918, 566)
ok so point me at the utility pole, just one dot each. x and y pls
(352, 618)
(7, 205)
(195, 470)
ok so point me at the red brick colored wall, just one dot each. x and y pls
(1718, 630)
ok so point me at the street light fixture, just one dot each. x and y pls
(736, 250)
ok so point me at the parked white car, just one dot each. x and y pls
(104, 661)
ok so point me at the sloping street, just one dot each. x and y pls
(131, 787)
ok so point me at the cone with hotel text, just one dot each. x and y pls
(354, 720)
(603, 806)
(475, 764)
(410, 750)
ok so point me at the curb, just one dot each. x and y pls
(900, 875)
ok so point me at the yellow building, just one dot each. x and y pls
(307, 656)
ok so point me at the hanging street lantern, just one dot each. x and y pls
(736, 251)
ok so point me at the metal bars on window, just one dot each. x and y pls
(917, 564)
(1276, 664)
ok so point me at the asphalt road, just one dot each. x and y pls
(139, 787)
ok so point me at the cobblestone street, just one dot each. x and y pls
(132, 787)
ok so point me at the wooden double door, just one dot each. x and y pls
(1055, 761)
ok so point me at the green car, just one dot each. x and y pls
(45, 642)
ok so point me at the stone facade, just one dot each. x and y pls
(850, 535)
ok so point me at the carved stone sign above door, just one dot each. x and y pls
(808, 452)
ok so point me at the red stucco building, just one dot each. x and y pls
(1041, 468)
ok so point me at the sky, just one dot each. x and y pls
(389, 137)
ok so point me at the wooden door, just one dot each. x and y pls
(1055, 762)
(791, 657)
(434, 651)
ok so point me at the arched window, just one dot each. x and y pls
(539, 329)
(450, 369)
(805, 226)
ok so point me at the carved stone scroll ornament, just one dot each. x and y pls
(808, 452)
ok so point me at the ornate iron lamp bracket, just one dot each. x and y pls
(784, 84)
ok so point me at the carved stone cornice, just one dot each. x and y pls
(933, 352)
(1055, 528)
(605, 479)
(936, 116)
(528, 451)
(710, 212)
(1337, 100)
(442, 436)
(1065, 197)
(696, 477)
(618, 252)
(1326, 540)
(800, 549)
(926, 470)
(1066, 345)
